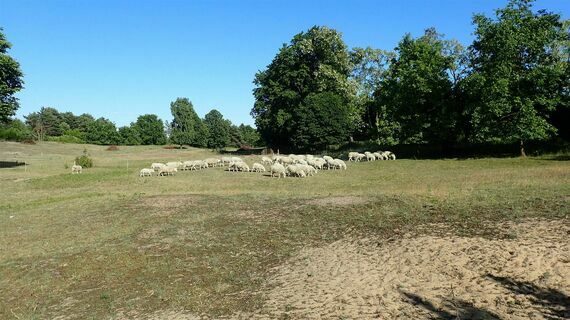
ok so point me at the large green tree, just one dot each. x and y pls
(10, 81)
(129, 136)
(102, 131)
(417, 92)
(218, 129)
(520, 73)
(49, 119)
(316, 61)
(186, 126)
(150, 129)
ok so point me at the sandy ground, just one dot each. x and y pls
(426, 277)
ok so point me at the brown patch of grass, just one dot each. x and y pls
(337, 201)
(112, 148)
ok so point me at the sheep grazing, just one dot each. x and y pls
(226, 160)
(75, 168)
(174, 164)
(238, 166)
(279, 169)
(156, 166)
(369, 156)
(146, 172)
(317, 163)
(360, 156)
(339, 164)
(266, 160)
(236, 159)
(388, 155)
(213, 162)
(352, 156)
(309, 170)
(257, 167)
(296, 170)
(168, 171)
(378, 156)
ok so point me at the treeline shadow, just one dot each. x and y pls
(451, 309)
(555, 304)
(11, 164)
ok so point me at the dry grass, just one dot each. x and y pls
(108, 244)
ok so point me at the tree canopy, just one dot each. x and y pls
(186, 126)
(150, 129)
(10, 81)
(316, 61)
(218, 130)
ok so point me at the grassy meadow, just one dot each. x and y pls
(109, 244)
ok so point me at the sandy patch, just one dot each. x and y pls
(337, 201)
(430, 277)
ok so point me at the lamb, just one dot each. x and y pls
(169, 171)
(352, 156)
(75, 168)
(279, 169)
(156, 166)
(146, 172)
(258, 167)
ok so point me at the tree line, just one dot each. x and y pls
(510, 85)
(186, 128)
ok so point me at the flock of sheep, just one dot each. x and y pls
(281, 166)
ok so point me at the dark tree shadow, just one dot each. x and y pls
(11, 164)
(452, 308)
(554, 304)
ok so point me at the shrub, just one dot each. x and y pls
(84, 160)
(16, 130)
(65, 139)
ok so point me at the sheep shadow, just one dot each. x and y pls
(452, 308)
(554, 304)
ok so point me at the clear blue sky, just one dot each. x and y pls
(120, 59)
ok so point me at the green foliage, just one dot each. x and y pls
(322, 120)
(129, 136)
(417, 92)
(218, 130)
(314, 62)
(248, 136)
(15, 130)
(10, 81)
(102, 131)
(48, 120)
(186, 127)
(520, 73)
(84, 160)
(150, 130)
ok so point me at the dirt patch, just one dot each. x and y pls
(430, 277)
(337, 201)
(166, 204)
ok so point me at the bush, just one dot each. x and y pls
(84, 160)
(65, 139)
(16, 130)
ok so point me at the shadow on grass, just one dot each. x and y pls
(11, 164)
(555, 304)
(559, 157)
(452, 309)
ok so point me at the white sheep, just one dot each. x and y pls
(226, 160)
(360, 156)
(378, 156)
(257, 167)
(169, 171)
(352, 156)
(213, 162)
(309, 170)
(266, 160)
(75, 168)
(146, 172)
(339, 163)
(369, 156)
(279, 169)
(175, 164)
(156, 166)
(296, 170)
(236, 159)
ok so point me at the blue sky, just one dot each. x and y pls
(120, 59)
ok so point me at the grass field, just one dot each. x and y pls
(108, 244)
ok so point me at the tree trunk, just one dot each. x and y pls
(523, 154)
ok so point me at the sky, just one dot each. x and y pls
(119, 59)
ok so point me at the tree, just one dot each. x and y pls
(10, 81)
(418, 90)
(248, 135)
(150, 129)
(315, 61)
(218, 130)
(370, 67)
(520, 74)
(49, 119)
(102, 131)
(186, 126)
(129, 136)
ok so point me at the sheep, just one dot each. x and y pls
(146, 172)
(309, 170)
(226, 160)
(169, 171)
(156, 166)
(75, 168)
(258, 167)
(369, 156)
(296, 170)
(301, 161)
(339, 163)
(266, 160)
(175, 164)
(279, 169)
(360, 156)
(286, 160)
(388, 155)
(317, 163)
(236, 159)
(213, 162)
(378, 156)
(238, 166)
(352, 156)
